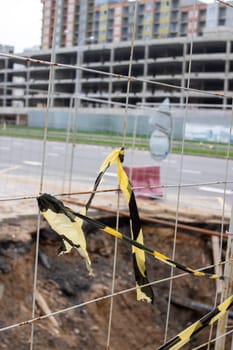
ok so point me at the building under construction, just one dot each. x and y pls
(160, 64)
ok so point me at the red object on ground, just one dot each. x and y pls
(143, 178)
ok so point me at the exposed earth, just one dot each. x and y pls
(63, 281)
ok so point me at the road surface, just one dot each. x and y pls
(21, 162)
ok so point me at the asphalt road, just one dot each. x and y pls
(21, 160)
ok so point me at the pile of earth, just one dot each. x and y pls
(63, 282)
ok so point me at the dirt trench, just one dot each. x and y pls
(63, 281)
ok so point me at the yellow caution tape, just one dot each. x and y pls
(68, 234)
(66, 224)
(183, 337)
(48, 203)
(117, 156)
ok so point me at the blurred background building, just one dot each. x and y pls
(97, 35)
(101, 21)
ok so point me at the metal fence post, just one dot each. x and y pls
(227, 290)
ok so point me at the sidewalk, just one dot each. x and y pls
(194, 209)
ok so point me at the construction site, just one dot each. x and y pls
(116, 178)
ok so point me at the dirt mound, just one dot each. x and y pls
(63, 282)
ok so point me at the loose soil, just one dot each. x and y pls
(63, 281)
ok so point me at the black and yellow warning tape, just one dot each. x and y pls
(117, 157)
(48, 203)
(139, 260)
(183, 337)
(68, 224)
(65, 224)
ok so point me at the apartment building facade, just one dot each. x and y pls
(73, 25)
(81, 22)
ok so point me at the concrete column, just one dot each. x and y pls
(110, 78)
(184, 63)
(5, 81)
(145, 74)
(79, 62)
(27, 85)
(227, 69)
(18, 119)
(53, 59)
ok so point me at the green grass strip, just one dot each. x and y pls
(209, 149)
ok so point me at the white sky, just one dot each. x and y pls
(20, 23)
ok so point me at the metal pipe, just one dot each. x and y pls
(147, 218)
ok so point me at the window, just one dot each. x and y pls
(173, 27)
(141, 9)
(157, 16)
(148, 6)
(222, 12)
(184, 17)
(148, 16)
(221, 22)
(148, 27)
(47, 13)
(118, 10)
(156, 29)
(157, 6)
(117, 30)
(46, 30)
(183, 28)
(117, 20)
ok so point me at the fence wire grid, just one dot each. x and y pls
(29, 168)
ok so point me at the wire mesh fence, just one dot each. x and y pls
(65, 162)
